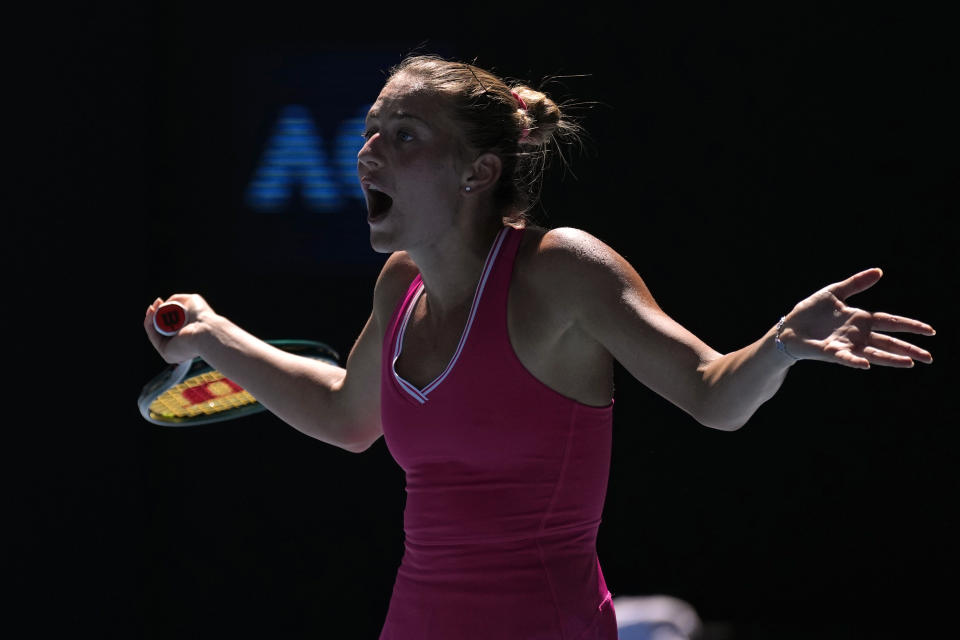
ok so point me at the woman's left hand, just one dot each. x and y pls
(823, 327)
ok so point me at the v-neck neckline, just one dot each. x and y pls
(418, 394)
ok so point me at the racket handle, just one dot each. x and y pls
(170, 318)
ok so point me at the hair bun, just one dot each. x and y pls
(541, 118)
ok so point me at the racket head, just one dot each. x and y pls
(194, 393)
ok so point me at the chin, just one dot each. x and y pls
(382, 242)
(384, 250)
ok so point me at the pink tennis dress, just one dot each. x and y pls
(505, 482)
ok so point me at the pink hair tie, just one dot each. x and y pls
(523, 105)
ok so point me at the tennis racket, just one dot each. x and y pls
(193, 393)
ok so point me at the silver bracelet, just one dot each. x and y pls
(780, 345)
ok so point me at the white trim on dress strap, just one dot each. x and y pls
(421, 394)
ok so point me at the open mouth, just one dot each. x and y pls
(378, 203)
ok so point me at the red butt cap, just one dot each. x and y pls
(170, 318)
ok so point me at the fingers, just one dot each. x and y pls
(886, 359)
(152, 307)
(899, 347)
(883, 351)
(182, 298)
(887, 322)
(848, 359)
(856, 283)
(154, 337)
(150, 312)
(862, 358)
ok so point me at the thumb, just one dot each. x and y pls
(856, 283)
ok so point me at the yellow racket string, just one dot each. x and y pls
(204, 394)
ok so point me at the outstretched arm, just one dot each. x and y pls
(305, 393)
(337, 405)
(722, 391)
(821, 327)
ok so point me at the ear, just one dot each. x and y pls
(482, 173)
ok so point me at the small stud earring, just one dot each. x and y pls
(466, 188)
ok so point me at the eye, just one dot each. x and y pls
(404, 136)
(368, 133)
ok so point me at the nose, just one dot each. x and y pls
(368, 155)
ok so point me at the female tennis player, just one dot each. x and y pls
(487, 361)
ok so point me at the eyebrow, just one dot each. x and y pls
(399, 115)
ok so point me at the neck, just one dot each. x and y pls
(451, 267)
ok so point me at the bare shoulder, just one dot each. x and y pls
(395, 277)
(570, 256)
(577, 267)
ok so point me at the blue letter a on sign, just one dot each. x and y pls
(293, 161)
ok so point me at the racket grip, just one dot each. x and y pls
(170, 318)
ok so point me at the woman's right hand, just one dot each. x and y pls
(185, 344)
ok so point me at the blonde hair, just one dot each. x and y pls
(494, 120)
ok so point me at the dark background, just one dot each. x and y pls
(739, 159)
